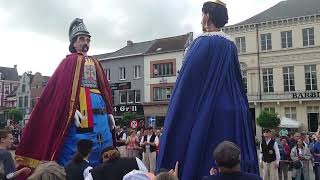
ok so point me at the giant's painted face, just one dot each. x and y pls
(82, 44)
(204, 21)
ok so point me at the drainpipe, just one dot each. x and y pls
(259, 69)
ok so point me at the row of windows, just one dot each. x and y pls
(286, 40)
(123, 75)
(130, 96)
(288, 78)
(162, 93)
(134, 96)
(159, 70)
(291, 112)
(23, 101)
(163, 69)
(7, 89)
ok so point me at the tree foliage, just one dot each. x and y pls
(126, 118)
(268, 120)
(16, 115)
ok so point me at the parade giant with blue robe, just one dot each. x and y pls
(209, 105)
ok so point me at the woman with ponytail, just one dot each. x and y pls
(79, 166)
(115, 167)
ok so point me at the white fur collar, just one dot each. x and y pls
(218, 33)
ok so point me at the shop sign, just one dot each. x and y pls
(306, 95)
(152, 121)
(120, 86)
(120, 109)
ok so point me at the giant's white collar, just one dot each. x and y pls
(217, 33)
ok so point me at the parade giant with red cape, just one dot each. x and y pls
(44, 134)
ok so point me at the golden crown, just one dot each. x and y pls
(219, 2)
(89, 61)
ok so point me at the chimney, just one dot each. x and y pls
(15, 66)
(129, 43)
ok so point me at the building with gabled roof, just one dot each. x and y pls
(9, 80)
(29, 91)
(126, 71)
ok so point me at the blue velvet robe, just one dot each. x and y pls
(208, 105)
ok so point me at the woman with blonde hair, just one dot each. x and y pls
(132, 144)
(48, 171)
(166, 176)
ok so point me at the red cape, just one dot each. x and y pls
(44, 134)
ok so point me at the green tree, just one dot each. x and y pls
(126, 118)
(268, 120)
(16, 115)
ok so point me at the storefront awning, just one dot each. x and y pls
(289, 123)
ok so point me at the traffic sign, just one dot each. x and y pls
(134, 124)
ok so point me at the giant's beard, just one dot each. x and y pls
(85, 48)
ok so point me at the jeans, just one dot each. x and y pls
(283, 170)
(302, 173)
(316, 170)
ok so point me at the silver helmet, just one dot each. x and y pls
(76, 28)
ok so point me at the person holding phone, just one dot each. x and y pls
(300, 154)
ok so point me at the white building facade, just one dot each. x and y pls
(280, 62)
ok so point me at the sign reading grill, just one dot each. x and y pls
(120, 109)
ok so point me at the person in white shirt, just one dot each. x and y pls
(269, 156)
(149, 144)
(121, 138)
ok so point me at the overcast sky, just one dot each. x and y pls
(34, 33)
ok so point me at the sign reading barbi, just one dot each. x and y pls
(306, 95)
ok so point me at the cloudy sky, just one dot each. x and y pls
(34, 33)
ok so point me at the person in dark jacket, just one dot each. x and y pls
(79, 166)
(227, 159)
(7, 164)
(285, 151)
(269, 156)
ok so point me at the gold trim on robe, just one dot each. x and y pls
(75, 85)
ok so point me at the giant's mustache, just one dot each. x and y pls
(85, 48)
